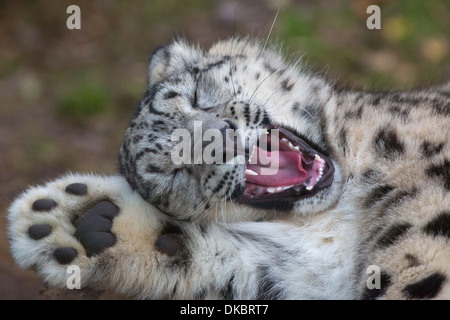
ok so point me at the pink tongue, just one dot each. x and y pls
(276, 169)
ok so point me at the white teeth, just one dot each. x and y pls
(321, 166)
(320, 175)
(278, 189)
(319, 159)
(290, 145)
(250, 172)
(309, 188)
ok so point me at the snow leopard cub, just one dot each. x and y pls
(362, 192)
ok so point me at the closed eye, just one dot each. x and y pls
(194, 100)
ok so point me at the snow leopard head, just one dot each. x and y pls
(250, 99)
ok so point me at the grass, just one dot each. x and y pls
(413, 37)
(88, 97)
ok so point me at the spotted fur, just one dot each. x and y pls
(403, 136)
(387, 207)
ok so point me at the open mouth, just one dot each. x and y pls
(288, 169)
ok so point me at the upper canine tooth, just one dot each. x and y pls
(316, 157)
(251, 172)
(309, 188)
(284, 140)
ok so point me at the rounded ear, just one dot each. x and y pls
(158, 64)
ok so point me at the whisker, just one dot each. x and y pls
(223, 200)
(231, 70)
(194, 211)
(232, 204)
(270, 32)
(215, 216)
(310, 115)
(294, 65)
(269, 98)
(262, 81)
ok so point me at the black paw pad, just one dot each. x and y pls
(65, 255)
(94, 228)
(43, 205)
(39, 231)
(78, 189)
(96, 242)
(168, 243)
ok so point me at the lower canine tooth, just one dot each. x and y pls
(271, 190)
(309, 188)
(250, 172)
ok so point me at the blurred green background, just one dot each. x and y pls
(66, 96)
